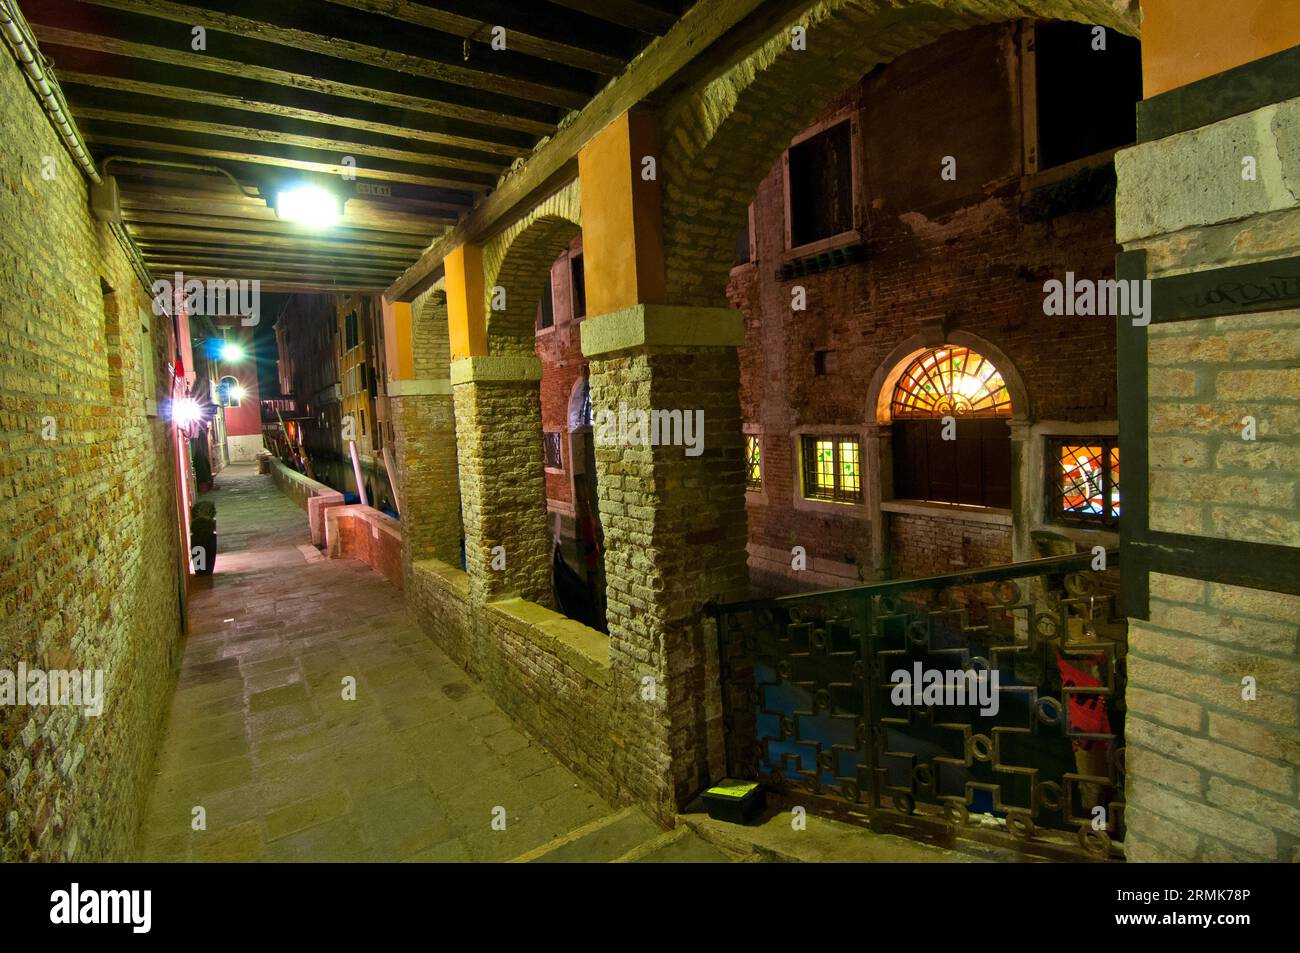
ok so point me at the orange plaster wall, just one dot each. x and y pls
(464, 271)
(621, 217)
(398, 343)
(1187, 40)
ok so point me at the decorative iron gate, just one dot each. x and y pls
(985, 704)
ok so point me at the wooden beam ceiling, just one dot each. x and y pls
(401, 106)
(555, 163)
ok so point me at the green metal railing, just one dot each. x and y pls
(986, 703)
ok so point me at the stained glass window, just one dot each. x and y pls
(753, 463)
(832, 468)
(950, 381)
(1083, 479)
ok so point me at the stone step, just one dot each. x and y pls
(679, 846)
(604, 839)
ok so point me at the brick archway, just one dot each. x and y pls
(722, 135)
(518, 262)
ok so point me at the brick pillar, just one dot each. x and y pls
(425, 428)
(675, 535)
(502, 481)
(1209, 551)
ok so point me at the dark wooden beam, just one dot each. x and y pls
(652, 18)
(250, 267)
(271, 279)
(187, 115)
(273, 227)
(81, 69)
(393, 90)
(201, 149)
(199, 250)
(571, 41)
(161, 234)
(138, 201)
(440, 57)
(110, 118)
(556, 162)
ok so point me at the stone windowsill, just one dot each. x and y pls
(962, 511)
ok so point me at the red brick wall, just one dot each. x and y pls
(560, 350)
(964, 250)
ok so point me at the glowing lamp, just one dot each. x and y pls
(308, 205)
(185, 411)
(231, 352)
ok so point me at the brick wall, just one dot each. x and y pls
(1205, 379)
(972, 255)
(364, 533)
(90, 572)
(1213, 775)
(930, 545)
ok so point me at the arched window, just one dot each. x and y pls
(966, 459)
(950, 381)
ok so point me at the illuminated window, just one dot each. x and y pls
(753, 463)
(551, 456)
(832, 468)
(951, 381)
(966, 460)
(1083, 480)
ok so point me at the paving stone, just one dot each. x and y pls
(260, 736)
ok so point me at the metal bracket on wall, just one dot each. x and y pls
(1216, 293)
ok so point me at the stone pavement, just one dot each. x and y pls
(285, 769)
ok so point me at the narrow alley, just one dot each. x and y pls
(667, 431)
(284, 769)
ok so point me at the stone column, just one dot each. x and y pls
(502, 483)
(675, 533)
(1211, 194)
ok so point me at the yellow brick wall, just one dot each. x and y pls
(89, 557)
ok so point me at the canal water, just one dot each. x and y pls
(338, 475)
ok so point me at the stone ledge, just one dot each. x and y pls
(955, 511)
(421, 387)
(453, 576)
(577, 645)
(657, 325)
(504, 368)
(1150, 201)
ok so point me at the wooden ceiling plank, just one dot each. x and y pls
(556, 162)
(646, 17)
(503, 81)
(71, 79)
(266, 133)
(52, 34)
(271, 136)
(136, 202)
(523, 33)
(286, 230)
(283, 162)
(161, 235)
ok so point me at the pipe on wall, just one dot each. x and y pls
(18, 37)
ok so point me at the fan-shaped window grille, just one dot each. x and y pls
(950, 381)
